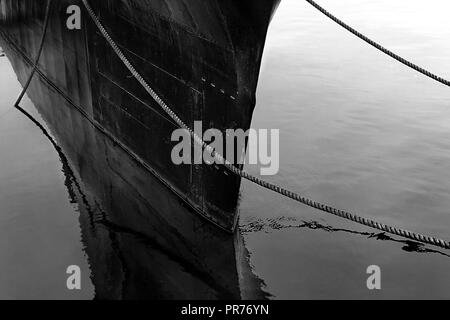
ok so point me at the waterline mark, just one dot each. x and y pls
(263, 147)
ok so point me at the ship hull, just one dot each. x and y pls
(141, 240)
(202, 58)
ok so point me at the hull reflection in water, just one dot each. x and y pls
(142, 241)
(202, 58)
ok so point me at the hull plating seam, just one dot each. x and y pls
(98, 126)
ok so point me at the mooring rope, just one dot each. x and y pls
(289, 194)
(39, 53)
(378, 46)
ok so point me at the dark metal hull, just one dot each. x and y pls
(142, 241)
(201, 57)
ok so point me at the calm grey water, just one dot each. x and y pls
(358, 130)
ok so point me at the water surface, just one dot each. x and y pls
(358, 130)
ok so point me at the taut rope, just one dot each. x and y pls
(378, 46)
(289, 194)
(39, 53)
